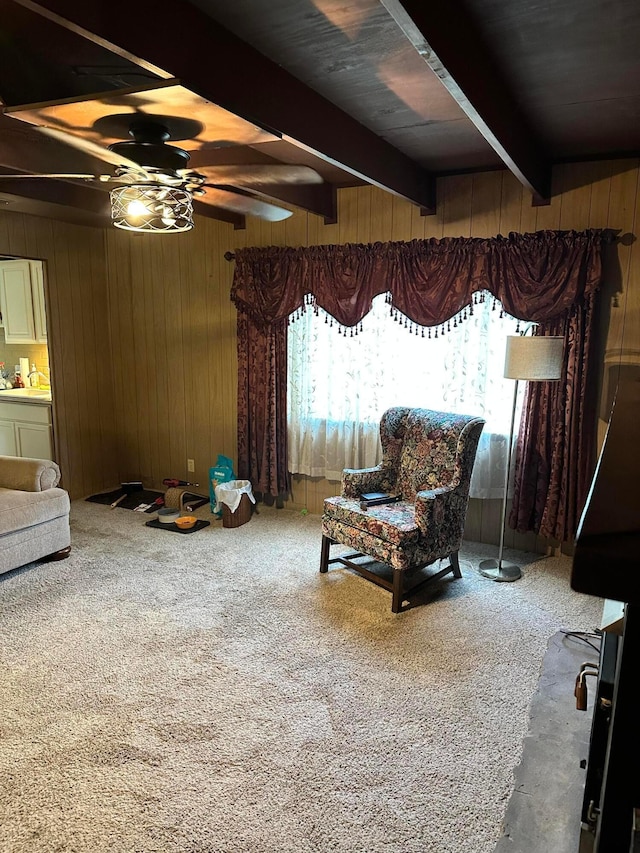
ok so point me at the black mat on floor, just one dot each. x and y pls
(545, 807)
(144, 496)
(173, 528)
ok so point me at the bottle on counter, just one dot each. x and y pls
(17, 382)
(24, 371)
(35, 377)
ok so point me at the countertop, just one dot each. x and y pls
(26, 395)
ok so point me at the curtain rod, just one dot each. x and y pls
(612, 236)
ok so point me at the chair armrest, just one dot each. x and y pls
(28, 475)
(440, 516)
(355, 481)
(431, 504)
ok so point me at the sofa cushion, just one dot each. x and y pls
(19, 510)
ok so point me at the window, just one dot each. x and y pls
(340, 384)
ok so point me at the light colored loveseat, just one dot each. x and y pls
(34, 512)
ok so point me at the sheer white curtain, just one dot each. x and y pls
(339, 386)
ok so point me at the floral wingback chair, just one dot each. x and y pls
(427, 460)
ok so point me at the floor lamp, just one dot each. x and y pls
(530, 359)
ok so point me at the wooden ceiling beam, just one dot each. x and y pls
(450, 43)
(210, 60)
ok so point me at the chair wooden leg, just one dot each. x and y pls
(455, 564)
(396, 593)
(324, 554)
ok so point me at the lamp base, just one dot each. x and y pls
(495, 571)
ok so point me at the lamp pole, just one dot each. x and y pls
(498, 570)
(536, 358)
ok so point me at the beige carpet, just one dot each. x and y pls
(213, 693)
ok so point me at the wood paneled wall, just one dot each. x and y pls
(174, 351)
(79, 343)
(143, 334)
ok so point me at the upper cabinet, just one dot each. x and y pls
(22, 302)
(37, 292)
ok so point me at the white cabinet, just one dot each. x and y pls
(26, 430)
(37, 292)
(22, 302)
(8, 440)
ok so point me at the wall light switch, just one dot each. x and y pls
(191, 465)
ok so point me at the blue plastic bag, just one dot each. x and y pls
(221, 472)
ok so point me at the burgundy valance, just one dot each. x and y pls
(536, 277)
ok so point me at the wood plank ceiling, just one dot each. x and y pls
(375, 91)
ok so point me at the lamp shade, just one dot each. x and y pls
(533, 358)
(152, 209)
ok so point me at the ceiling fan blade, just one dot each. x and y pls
(239, 202)
(91, 148)
(74, 176)
(259, 173)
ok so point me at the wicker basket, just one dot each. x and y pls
(185, 501)
(174, 498)
(240, 516)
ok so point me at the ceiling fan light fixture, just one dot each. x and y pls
(152, 209)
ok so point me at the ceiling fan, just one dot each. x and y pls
(153, 186)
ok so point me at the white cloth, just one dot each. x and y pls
(231, 493)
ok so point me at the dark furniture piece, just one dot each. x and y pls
(427, 459)
(606, 564)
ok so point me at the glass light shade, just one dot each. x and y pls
(152, 209)
(533, 358)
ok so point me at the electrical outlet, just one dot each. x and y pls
(191, 466)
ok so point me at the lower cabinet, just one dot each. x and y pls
(26, 430)
(8, 441)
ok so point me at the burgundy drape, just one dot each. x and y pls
(556, 442)
(262, 406)
(542, 277)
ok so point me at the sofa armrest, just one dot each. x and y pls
(28, 475)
